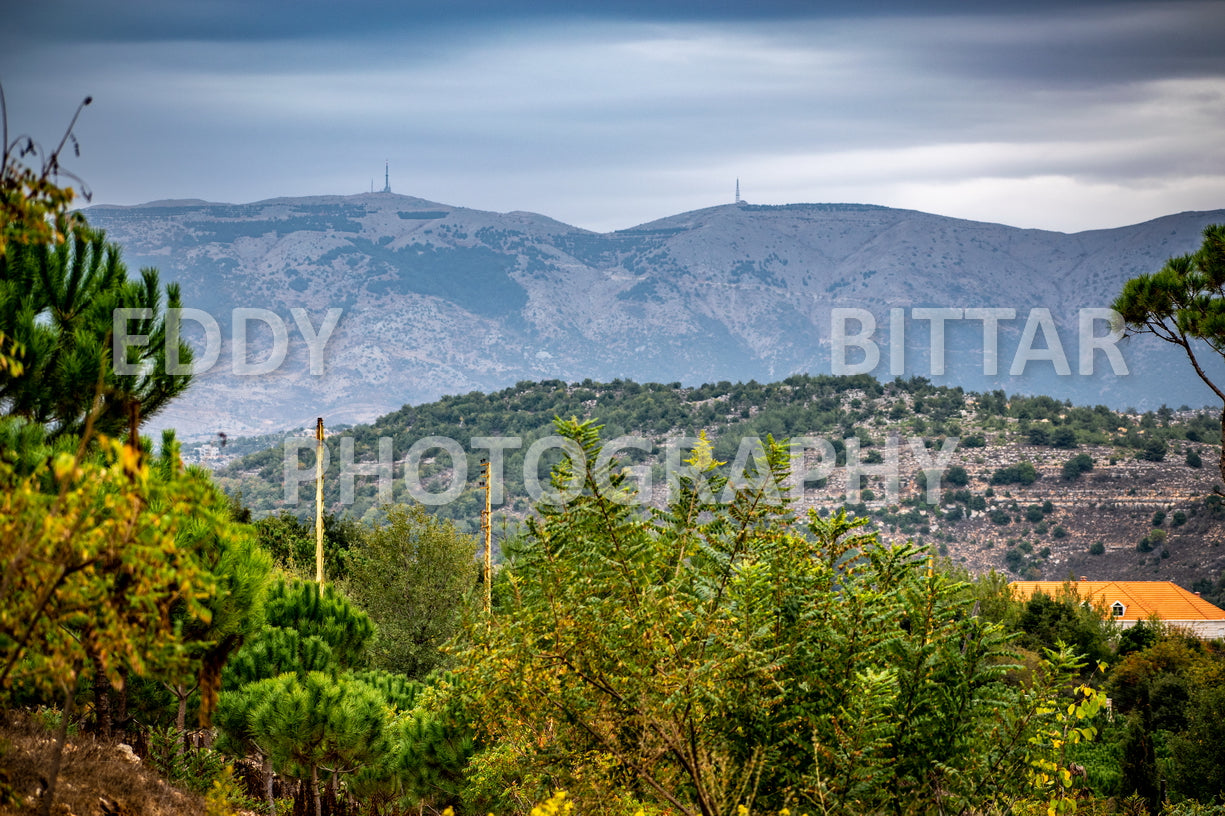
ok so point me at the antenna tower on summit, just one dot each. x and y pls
(737, 191)
(387, 177)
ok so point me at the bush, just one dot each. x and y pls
(1063, 437)
(1154, 449)
(957, 496)
(1059, 532)
(193, 768)
(1038, 435)
(1022, 473)
(1077, 466)
(1152, 541)
(1193, 460)
(1097, 548)
(956, 476)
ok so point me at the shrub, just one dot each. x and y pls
(1154, 449)
(1038, 435)
(1063, 437)
(1154, 540)
(1022, 473)
(1077, 466)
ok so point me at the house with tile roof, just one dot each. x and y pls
(1131, 601)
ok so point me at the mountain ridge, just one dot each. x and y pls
(437, 298)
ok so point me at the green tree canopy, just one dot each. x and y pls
(718, 655)
(292, 695)
(58, 305)
(1184, 303)
(411, 574)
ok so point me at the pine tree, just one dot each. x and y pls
(1183, 303)
(296, 695)
(432, 748)
(58, 307)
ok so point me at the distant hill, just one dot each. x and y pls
(437, 299)
(992, 511)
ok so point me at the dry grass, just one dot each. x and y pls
(96, 778)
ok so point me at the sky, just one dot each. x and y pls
(1051, 115)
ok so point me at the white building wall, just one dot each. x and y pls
(1207, 630)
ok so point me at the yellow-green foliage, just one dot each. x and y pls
(92, 569)
(717, 656)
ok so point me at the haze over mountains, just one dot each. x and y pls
(438, 299)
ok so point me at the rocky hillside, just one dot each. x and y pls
(1031, 485)
(436, 299)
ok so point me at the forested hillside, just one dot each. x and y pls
(1034, 486)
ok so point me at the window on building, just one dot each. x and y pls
(1117, 608)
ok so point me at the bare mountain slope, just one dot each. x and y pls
(438, 299)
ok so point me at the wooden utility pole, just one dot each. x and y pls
(319, 501)
(487, 530)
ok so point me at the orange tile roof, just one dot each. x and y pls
(1140, 599)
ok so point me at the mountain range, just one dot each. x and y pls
(431, 299)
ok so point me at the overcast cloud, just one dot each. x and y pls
(1034, 114)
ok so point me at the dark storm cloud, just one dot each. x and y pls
(1040, 114)
(243, 20)
(1109, 45)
